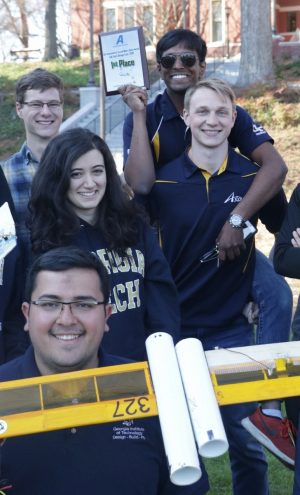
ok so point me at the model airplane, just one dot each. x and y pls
(115, 393)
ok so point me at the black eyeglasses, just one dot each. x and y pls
(210, 255)
(187, 59)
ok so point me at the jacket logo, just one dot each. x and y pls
(233, 199)
(128, 431)
(258, 129)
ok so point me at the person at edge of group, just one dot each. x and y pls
(156, 133)
(66, 321)
(212, 292)
(77, 198)
(292, 210)
(13, 340)
(287, 262)
(39, 103)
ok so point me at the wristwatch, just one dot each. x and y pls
(236, 221)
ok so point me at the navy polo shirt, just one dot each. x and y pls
(125, 458)
(169, 136)
(189, 208)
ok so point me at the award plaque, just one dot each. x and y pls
(124, 60)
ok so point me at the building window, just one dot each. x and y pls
(216, 20)
(128, 17)
(110, 18)
(148, 25)
(291, 21)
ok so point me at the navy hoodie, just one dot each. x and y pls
(143, 294)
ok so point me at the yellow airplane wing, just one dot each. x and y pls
(99, 395)
(123, 392)
(255, 373)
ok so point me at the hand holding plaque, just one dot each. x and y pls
(135, 97)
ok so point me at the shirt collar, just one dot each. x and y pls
(230, 164)
(27, 155)
(168, 108)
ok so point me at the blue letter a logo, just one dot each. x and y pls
(120, 40)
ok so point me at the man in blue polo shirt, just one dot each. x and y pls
(156, 133)
(66, 321)
(189, 204)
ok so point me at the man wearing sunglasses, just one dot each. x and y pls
(193, 191)
(39, 103)
(157, 133)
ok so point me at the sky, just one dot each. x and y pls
(36, 33)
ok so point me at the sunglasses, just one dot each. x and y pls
(211, 255)
(187, 59)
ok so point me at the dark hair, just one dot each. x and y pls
(188, 38)
(52, 220)
(39, 79)
(66, 258)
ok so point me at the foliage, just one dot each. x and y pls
(74, 72)
(11, 125)
(271, 112)
(275, 105)
(288, 69)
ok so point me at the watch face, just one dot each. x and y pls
(236, 220)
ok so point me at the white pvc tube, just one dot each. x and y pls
(173, 412)
(202, 403)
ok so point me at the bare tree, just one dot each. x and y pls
(256, 42)
(169, 14)
(20, 22)
(14, 19)
(50, 30)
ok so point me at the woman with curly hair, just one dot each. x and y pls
(77, 199)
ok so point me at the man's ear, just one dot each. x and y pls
(25, 311)
(19, 109)
(186, 117)
(158, 66)
(107, 311)
(202, 69)
(234, 115)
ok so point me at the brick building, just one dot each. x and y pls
(218, 21)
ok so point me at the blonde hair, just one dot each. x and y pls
(220, 87)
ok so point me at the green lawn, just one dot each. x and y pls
(74, 73)
(280, 478)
